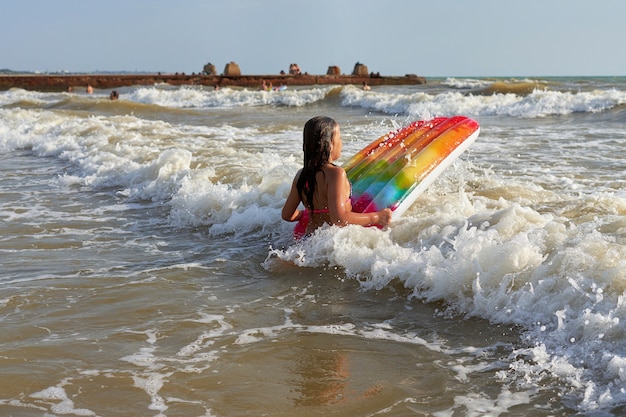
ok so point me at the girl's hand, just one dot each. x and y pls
(384, 217)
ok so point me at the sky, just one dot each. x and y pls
(436, 38)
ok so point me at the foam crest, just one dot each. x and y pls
(538, 103)
(24, 97)
(199, 97)
(133, 155)
(222, 177)
(252, 203)
(465, 83)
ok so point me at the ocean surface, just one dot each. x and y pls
(145, 269)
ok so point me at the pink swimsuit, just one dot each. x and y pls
(300, 230)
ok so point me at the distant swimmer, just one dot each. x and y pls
(89, 89)
(114, 95)
(366, 87)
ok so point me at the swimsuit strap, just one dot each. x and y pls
(318, 211)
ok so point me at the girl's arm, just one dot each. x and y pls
(340, 208)
(290, 209)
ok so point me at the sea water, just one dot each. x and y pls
(145, 269)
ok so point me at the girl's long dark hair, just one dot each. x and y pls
(317, 140)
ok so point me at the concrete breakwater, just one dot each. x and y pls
(61, 82)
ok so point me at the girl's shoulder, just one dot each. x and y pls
(333, 168)
(334, 172)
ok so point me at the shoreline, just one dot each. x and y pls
(61, 82)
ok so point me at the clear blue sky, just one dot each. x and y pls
(394, 37)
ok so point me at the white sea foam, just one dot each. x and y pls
(61, 403)
(18, 95)
(540, 103)
(466, 83)
(225, 97)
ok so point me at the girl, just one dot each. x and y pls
(323, 187)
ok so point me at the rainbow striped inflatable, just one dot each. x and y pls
(396, 168)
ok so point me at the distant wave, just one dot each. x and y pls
(465, 83)
(226, 97)
(501, 102)
(17, 95)
(504, 87)
(489, 86)
(520, 99)
(184, 97)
